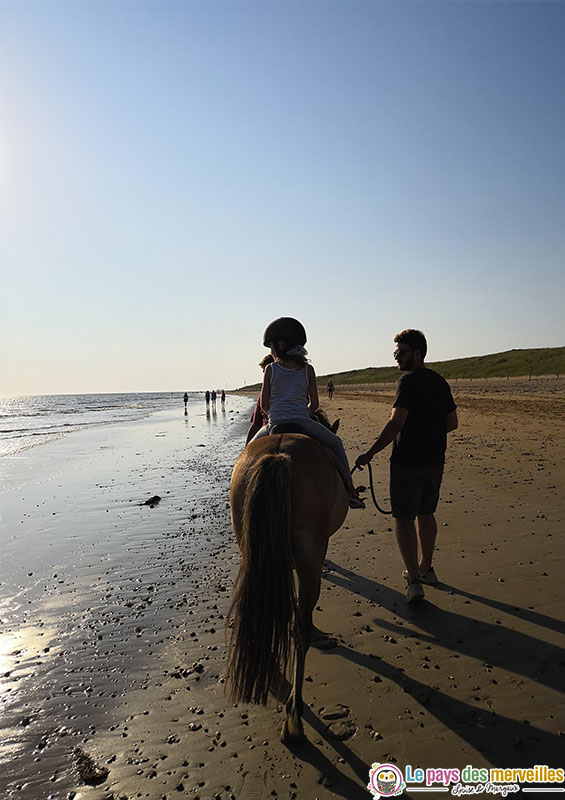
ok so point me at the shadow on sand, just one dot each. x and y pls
(501, 740)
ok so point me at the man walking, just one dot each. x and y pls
(423, 414)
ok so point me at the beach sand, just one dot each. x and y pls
(129, 667)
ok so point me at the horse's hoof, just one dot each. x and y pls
(292, 737)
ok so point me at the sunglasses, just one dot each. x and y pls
(398, 353)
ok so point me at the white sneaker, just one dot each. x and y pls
(428, 577)
(414, 592)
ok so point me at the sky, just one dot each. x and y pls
(175, 175)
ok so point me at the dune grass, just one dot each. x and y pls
(512, 363)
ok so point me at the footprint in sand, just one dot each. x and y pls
(339, 726)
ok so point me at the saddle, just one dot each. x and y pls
(288, 427)
(296, 427)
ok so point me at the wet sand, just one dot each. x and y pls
(124, 647)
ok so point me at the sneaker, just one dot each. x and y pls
(414, 592)
(429, 576)
(356, 502)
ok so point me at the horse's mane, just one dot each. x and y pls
(321, 416)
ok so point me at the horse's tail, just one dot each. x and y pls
(264, 597)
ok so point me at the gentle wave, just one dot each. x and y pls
(31, 421)
(20, 445)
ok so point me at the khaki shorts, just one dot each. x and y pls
(414, 491)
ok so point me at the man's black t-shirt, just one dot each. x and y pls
(428, 399)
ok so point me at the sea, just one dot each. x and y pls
(37, 420)
(115, 535)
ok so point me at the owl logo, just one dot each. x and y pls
(385, 780)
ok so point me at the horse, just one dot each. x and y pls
(287, 499)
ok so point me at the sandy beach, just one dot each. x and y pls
(113, 648)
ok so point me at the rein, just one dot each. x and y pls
(371, 486)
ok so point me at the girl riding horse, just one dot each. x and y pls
(290, 395)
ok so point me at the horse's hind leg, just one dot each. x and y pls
(309, 579)
(281, 688)
(292, 728)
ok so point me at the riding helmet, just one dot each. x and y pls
(287, 329)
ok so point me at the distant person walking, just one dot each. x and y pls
(223, 397)
(423, 413)
(207, 397)
(213, 395)
(330, 389)
(185, 398)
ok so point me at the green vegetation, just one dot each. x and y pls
(512, 363)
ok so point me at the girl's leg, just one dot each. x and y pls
(264, 431)
(318, 431)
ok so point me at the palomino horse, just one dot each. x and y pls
(287, 499)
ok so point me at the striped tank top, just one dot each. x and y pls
(289, 393)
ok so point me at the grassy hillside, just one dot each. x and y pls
(513, 363)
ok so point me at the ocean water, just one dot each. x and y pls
(75, 469)
(97, 584)
(35, 420)
(72, 468)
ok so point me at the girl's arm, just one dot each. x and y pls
(266, 390)
(312, 391)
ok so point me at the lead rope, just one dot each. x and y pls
(377, 506)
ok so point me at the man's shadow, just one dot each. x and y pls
(525, 614)
(488, 643)
(502, 740)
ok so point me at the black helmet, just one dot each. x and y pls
(287, 329)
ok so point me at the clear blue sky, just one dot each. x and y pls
(175, 175)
